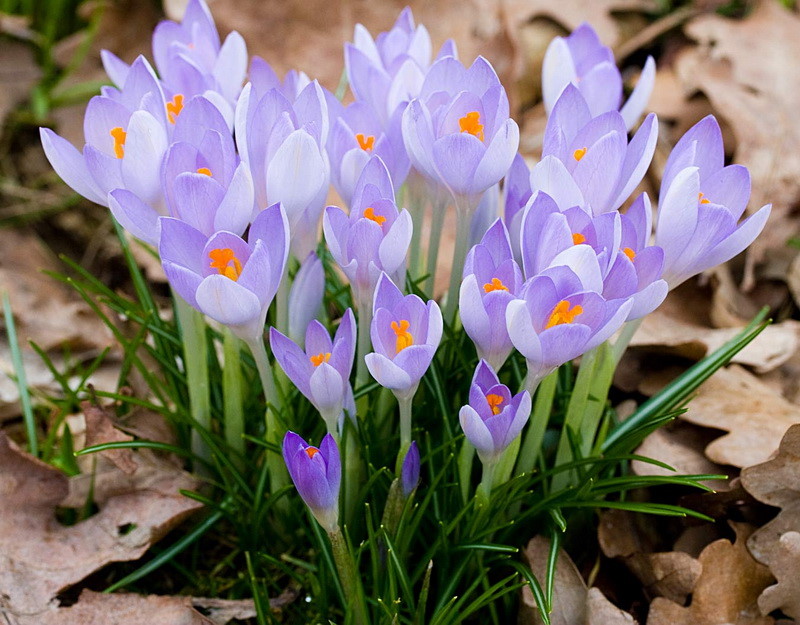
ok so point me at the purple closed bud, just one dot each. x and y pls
(409, 473)
(493, 418)
(517, 191)
(316, 473)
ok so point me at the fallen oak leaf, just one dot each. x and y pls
(785, 595)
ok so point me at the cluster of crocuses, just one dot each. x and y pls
(192, 156)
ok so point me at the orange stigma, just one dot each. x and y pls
(174, 107)
(471, 123)
(629, 253)
(494, 401)
(579, 154)
(225, 262)
(495, 285)
(369, 213)
(578, 238)
(205, 171)
(404, 337)
(563, 313)
(702, 199)
(119, 135)
(311, 451)
(365, 142)
(320, 358)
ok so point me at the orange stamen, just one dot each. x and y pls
(369, 213)
(495, 285)
(365, 142)
(225, 262)
(404, 337)
(311, 451)
(494, 401)
(205, 171)
(702, 199)
(471, 123)
(174, 107)
(629, 253)
(578, 238)
(562, 313)
(320, 358)
(119, 136)
(579, 154)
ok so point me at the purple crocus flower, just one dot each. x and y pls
(405, 333)
(517, 191)
(224, 277)
(493, 418)
(202, 181)
(127, 134)
(316, 473)
(263, 78)
(322, 371)
(374, 238)
(595, 152)
(409, 472)
(305, 297)
(282, 143)
(582, 61)
(458, 133)
(491, 280)
(561, 313)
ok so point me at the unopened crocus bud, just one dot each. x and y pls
(316, 473)
(305, 298)
(409, 473)
(493, 418)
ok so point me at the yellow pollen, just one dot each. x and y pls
(119, 135)
(471, 123)
(225, 262)
(629, 253)
(579, 154)
(365, 142)
(205, 171)
(370, 214)
(174, 107)
(562, 313)
(495, 285)
(404, 337)
(320, 358)
(311, 451)
(578, 238)
(494, 401)
(702, 199)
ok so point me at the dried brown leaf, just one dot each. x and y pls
(600, 611)
(785, 595)
(19, 71)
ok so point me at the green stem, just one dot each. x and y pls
(233, 386)
(352, 469)
(405, 422)
(438, 212)
(465, 209)
(465, 458)
(364, 345)
(540, 416)
(282, 303)
(416, 208)
(195, 359)
(484, 492)
(348, 575)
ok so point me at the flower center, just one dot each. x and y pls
(174, 107)
(320, 358)
(578, 238)
(365, 142)
(369, 213)
(563, 313)
(225, 262)
(629, 253)
(118, 134)
(702, 199)
(579, 153)
(471, 123)
(311, 451)
(495, 285)
(404, 337)
(494, 401)
(205, 171)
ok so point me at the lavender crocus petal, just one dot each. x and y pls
(293, 360)
(558, 70)
(582, 260)
(234, 210)
(311, 483)
(521, 404)
(569, 115)
(677, 214)
(564, 342)
(456, 158)
(271, 226)
(387, 295)
(620, 312)
(476, 431)
(115, 67)
(181, 244)
(474, 317)
(637, 101)
(388, 374)
(730, 187)
(305, 297)
(70, 166)
(226, 301)
(231, 65)
(498, 157)
(701, 146)
(183, 281)
(419, 139)
(327, 391)
(521, 330)
(596, 173)
(291, 444)
(333, 463)
(602, 88)
(145, 145)
(637, 159)
(409, 472)
(394, 247)
(335, 226)
(551, 176)
(648, 299)
(344, 345)
(258, 274)
(134, 215)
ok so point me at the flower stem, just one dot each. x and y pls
(414, 193)
(484, 492)
(405, 422)
(464, 219)
(540, 416)
(465, 458)
(364, 344)
(282, 303)
(232, 384)
(195, 360)
(438, 211)
(348, 575)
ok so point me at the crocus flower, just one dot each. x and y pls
(517, 191)
(561, 313)
(305, 297)
(582, 61)
(405, 333)
(322, 371)
(409, 472)
(316, 473)
(263, 78)
(595, 151)
(493, 418)
(224, 277)
(375, 237)
(491, 280)
(458, 133)
(389, 71)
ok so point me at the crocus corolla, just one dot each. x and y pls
(317, 474)
(305, 297)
